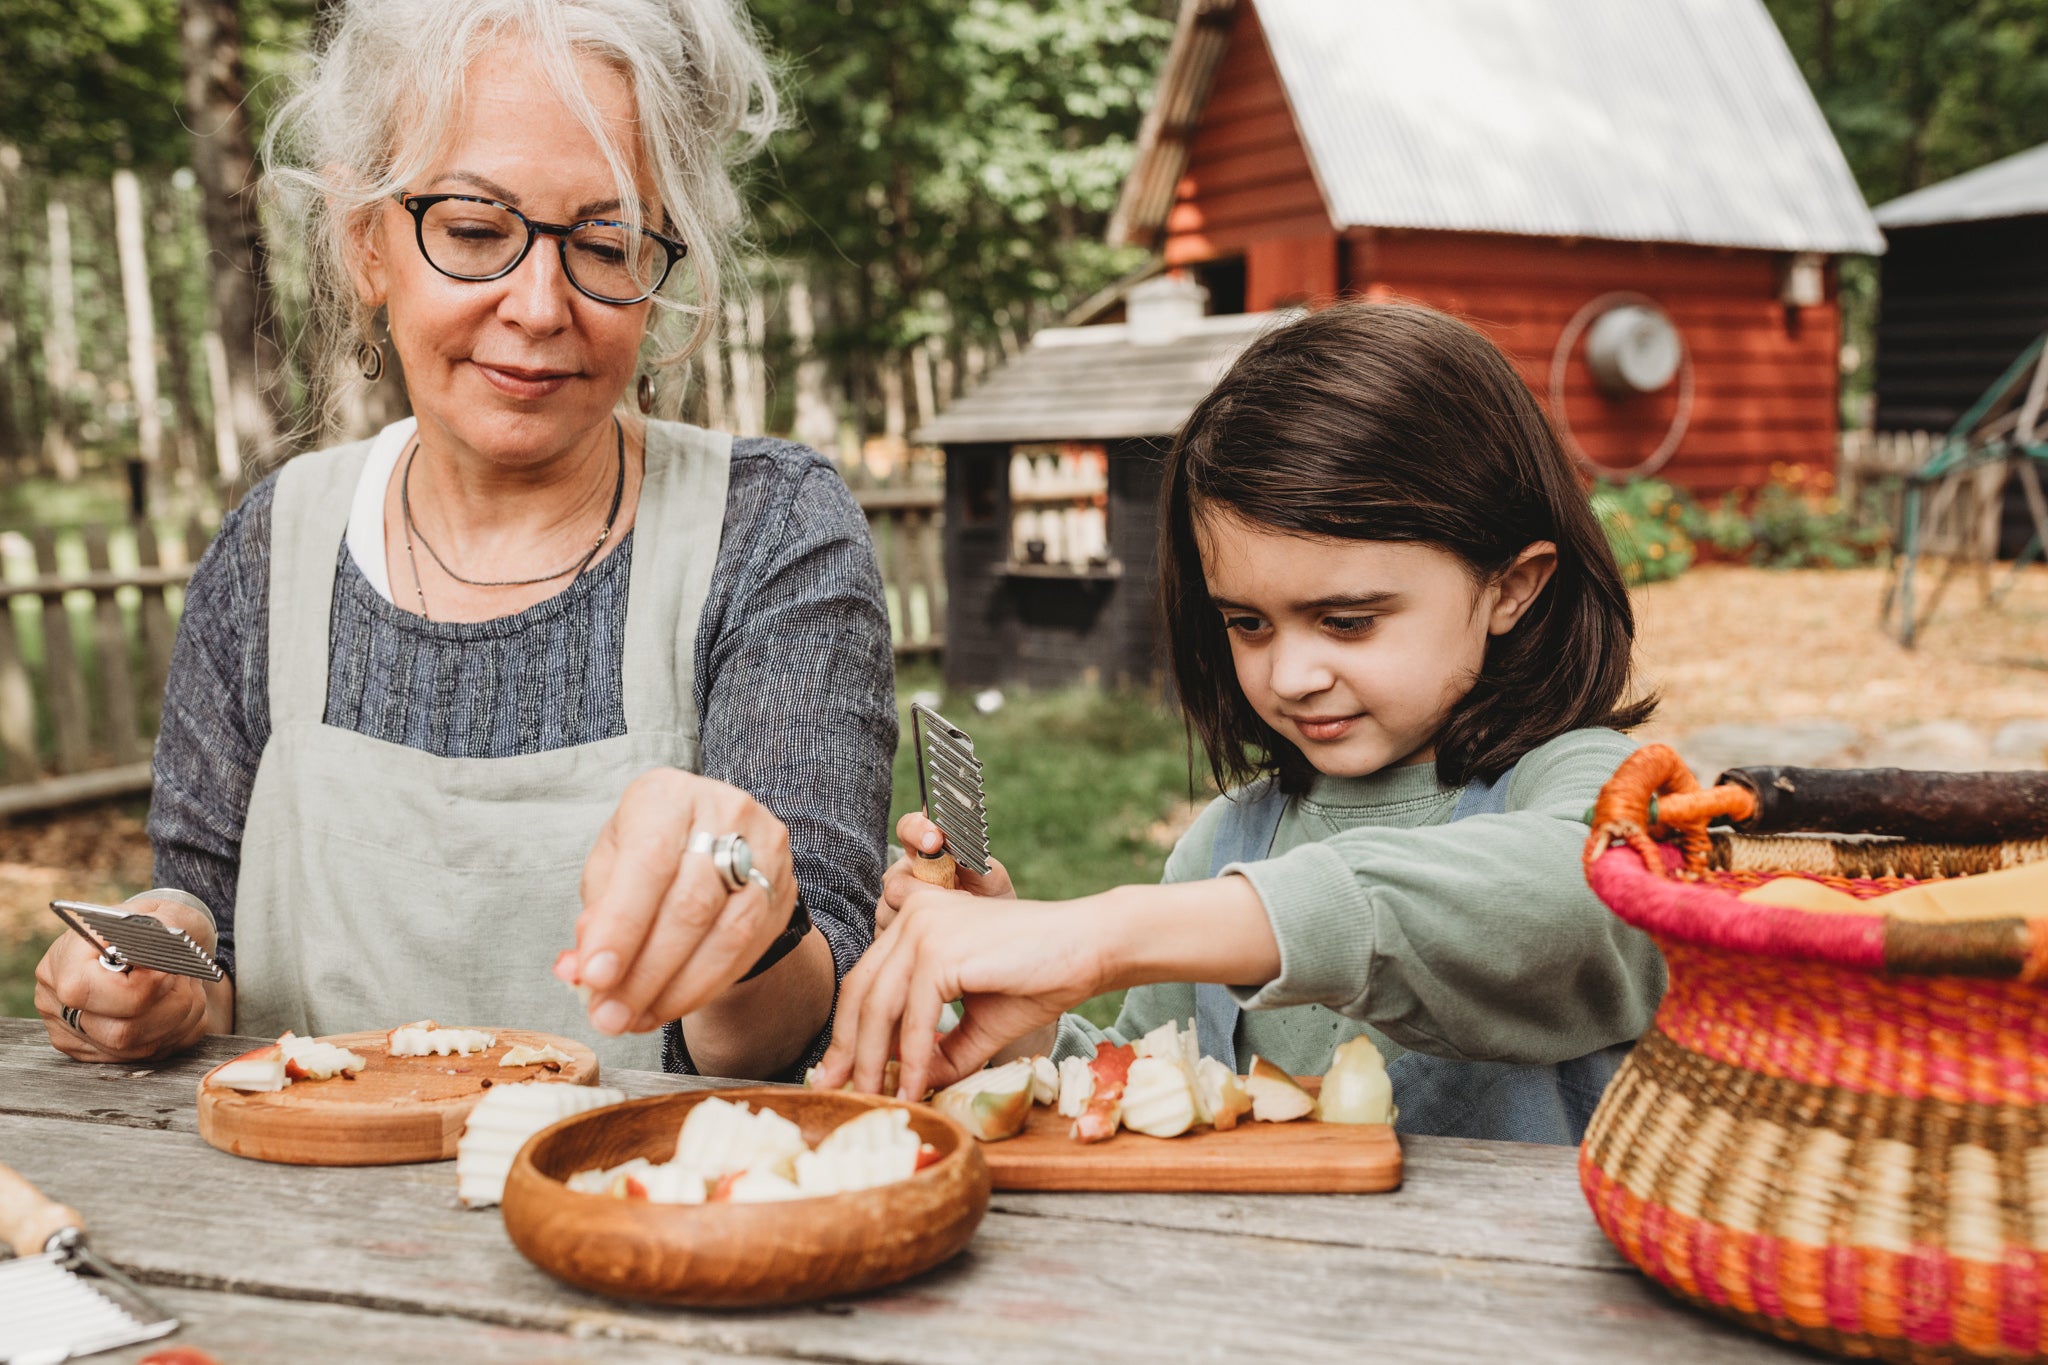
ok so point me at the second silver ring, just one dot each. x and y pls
(729, 854)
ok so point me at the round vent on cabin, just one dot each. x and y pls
(1634, 351)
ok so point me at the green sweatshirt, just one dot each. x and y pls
(1477, 941)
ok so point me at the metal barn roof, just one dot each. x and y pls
(1633, 120)
(1097, 384)
(2012, 188)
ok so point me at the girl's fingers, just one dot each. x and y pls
(880, 1007)
(922, 1006)
(916, 831)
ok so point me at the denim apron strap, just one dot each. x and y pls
(1506, 1101)
(1246, 835)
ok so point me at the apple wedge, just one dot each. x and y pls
(1356, 1088)
(1219, 1095)
(1158, 1100)
(991, 1104)
(1276, 1098)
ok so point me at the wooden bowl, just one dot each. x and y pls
(738, 1255)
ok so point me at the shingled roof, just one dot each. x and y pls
(2015, 187)
(1097, 384)
(1631, 120)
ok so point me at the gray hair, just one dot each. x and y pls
(372, 107)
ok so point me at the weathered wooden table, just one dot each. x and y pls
(1487, 1253)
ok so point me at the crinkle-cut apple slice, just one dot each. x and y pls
(992, 1104)
(501, 1123)
(1276, 1098)
(720, 1138)
(1219, 1095)
(425, 1038)
(1356, 1088)
(261, 1070)
(1157, 1099)
(1077, 1086)
(547, 1055)
(1045, 1081)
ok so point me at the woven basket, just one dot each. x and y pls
(1834, 1130)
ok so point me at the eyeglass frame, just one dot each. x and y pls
(418, 204)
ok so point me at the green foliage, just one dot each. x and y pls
(965, 152)
(1916, 91)
(91, 84)
(1796, 528)
(1645, 521)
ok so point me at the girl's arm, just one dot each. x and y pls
(1016, 966)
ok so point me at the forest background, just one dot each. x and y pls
(940, 193)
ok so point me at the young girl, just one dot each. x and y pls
(1404, 644)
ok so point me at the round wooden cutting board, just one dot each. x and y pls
(396, 1110)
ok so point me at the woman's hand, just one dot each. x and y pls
(135, 1015)
(1015, 967)
(915, 831)
(661, 934)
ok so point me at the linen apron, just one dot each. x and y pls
(1436, 1096)
(380, 883)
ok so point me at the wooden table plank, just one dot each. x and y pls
(175, 1212)
(237, 1329)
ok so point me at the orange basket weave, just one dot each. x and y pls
(1834, 1130)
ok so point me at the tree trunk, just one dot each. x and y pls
(227, 447)
(60, 348)
(223, 157)
(745, 420)
(757, 360)
(13, 305)
(816, 424)
(167, 277)
(141, 319)
(889, 370)
(925, 382)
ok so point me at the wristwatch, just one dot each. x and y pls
(785, 942)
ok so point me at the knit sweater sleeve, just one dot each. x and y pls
(216, 717)
(795, 676)
(1477, 940)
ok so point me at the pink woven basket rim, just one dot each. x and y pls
(1692, 912)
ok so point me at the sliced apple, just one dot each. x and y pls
(1077, 1086)
(1276, 1098)
(1108, 1073)
(1157, 1099)
(310, 1059)
(1356, 1088)
(1220, 1096)
(261, 1070)
(1045, 1081)
(992, 1104)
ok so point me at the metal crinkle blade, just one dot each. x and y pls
(949, 779)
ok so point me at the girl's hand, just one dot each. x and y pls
(127, 1016)
(914, 832)
(1014, 967)
(661, 934)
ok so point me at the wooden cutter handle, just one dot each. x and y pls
(935, 869)
(29, 1218)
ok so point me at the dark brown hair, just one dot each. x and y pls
(1373, 421)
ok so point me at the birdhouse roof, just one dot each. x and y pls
(1098, 384)
(1633, 120)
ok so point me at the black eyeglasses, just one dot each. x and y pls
(469, 238)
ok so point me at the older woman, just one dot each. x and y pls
(432, 689)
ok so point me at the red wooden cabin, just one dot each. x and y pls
(1530, 166)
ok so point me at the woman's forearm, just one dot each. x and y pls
(760, 1028)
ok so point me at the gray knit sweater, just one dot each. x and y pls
(794, 687)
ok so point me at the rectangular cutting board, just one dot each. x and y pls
(1303, 1157)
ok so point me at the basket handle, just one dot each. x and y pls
(1652, 793)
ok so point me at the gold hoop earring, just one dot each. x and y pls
(643, 394)
(370, 360)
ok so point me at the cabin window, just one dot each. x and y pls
(1059, 508)
(1225, 281)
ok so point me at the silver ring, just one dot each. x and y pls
(760, 879)
(69, 1014)
(729, 854)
